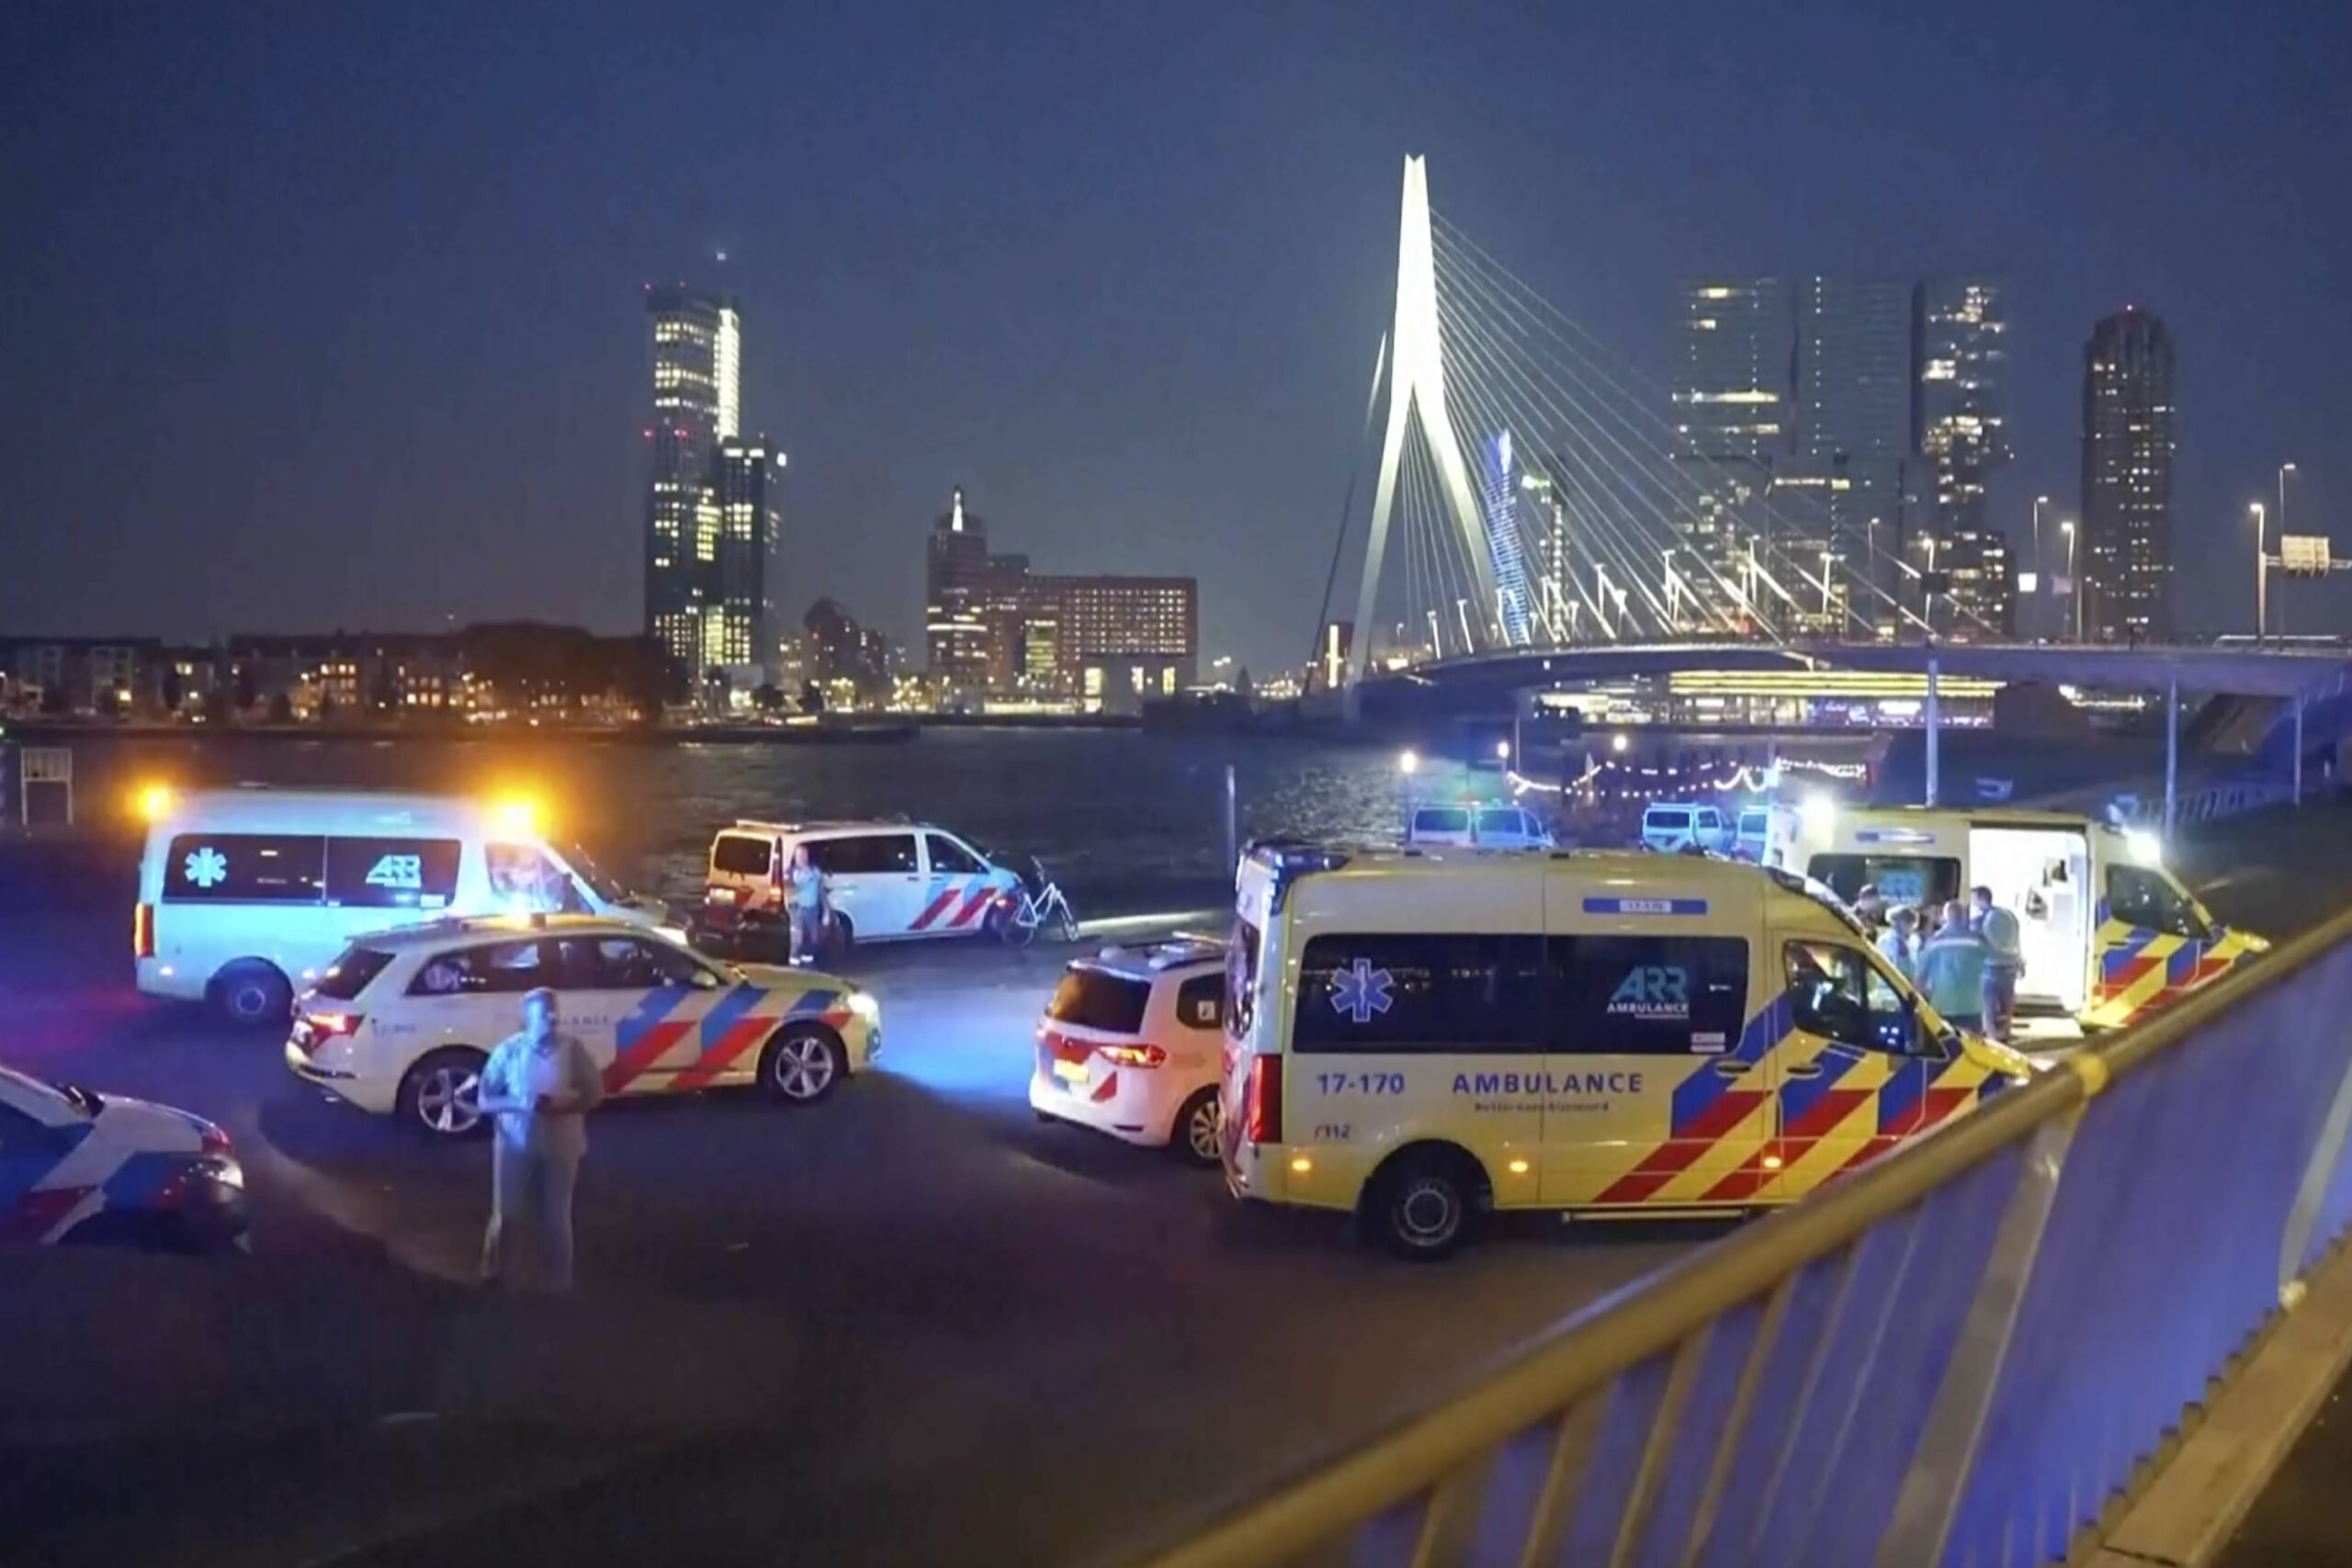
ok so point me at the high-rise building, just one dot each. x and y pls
(698, 403)
(1960, 327)
(742, 631)
(956, 585)
(1853, 435)
(2128, 442)
(1498, 485)
(1733, 427)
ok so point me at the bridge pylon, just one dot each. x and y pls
(1416, 382)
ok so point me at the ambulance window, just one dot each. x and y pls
(1899, 879)
(392, 873)
(1675, 996)
(1836, 992)
(2140, 895)
(524, 880)
(1433, 993)
(243, 868)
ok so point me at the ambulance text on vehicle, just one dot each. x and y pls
(247, 895)
(2107, 934)
(1419, 1036)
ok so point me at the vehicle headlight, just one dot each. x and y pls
(863, 1004)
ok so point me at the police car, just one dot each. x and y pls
(81, 1167)
(884, 881)
(402, 1023)
(1129, 1046)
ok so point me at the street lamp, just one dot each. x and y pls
(2039, 502)
(2284, 470)
(2074, 584)
(2261, 576)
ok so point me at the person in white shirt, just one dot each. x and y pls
(1999, 929)
(1899, 943)
(540, 1086)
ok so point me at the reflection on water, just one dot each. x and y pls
(1125, 820)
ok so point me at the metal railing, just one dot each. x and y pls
(1965, 1354)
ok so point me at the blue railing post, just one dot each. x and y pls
(1935, 731)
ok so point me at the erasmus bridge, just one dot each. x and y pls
(1541, 515)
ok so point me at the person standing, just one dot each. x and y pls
(1899, 943)
(540, 1084)
(808, 886)
(1952, 970)
(2003, 962)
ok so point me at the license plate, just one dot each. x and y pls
(1070, 1072)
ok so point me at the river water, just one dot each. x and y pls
(1126, 821)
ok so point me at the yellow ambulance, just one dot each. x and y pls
(2107, 934)
(1419, 1036)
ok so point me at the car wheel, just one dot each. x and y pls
(802, 1064)
(1194, 1137)
(253, 994)
(1421, 1203)
(438, 1096)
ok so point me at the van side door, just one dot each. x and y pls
(1854, 1065)
(956, 888)
(1658, 1095)
(875, 879)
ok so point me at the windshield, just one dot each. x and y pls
(603, 886)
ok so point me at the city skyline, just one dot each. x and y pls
(188, 407)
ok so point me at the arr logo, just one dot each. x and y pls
(1652, 990)
(403, 874)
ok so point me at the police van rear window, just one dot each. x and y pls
(1662, 817)
(1091, 999)
(738, 854)
(1441, 819)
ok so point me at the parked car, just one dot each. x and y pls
(1673, 826)
(1130, 1045)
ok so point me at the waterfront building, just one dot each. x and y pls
(957, 585)
(743, 632)
(1959, 349)
(2128, 445)
(697, 405)
(1734, 418)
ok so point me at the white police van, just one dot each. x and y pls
(247, 895)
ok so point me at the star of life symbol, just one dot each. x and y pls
(1361, 992)
(207, 867)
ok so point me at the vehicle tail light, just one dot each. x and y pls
(1262, 1108)
(326, 1023)
(143, 931)
(1133, 1056)
(216, 1142)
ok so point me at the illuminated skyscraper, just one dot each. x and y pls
(698, 403)
(2127, 440)
(741, 629)
(956, 581)
(1499, 485)
(1733, 416)
(1960, 329)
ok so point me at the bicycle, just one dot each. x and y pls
(1041, 903)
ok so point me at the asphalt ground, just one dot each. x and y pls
(908, 1326)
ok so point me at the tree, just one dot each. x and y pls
(281, 708)
(174, 691)
(52, 700)
(244, 690)
(327, 710)
(768, 697)
(812, 698)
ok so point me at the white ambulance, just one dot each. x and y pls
(247, 895)
(2107, 934)
(1418, 1037)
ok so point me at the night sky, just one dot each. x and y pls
(313, 323)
